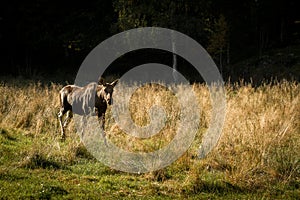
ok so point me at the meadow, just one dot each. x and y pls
(257, 156)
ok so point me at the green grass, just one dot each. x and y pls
(23, 176)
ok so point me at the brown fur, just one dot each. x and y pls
(80, 100)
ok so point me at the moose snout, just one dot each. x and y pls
(109, 99)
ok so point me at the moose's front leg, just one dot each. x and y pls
(101, 118)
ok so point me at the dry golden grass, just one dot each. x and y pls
(260, 144)
(140, 104)
(30, 107)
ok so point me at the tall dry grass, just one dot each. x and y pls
(29, 106)
(260, 143)
(141, 102)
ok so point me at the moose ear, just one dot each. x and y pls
(101, 81)
(114, 83)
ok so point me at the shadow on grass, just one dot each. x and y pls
(6, 176)
(48, 191)
(4, 133)
(217, 187)
(36, 161)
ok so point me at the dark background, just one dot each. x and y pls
(254, 40)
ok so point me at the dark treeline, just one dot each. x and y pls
(40, 37)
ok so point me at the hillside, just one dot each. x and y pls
(279, 63)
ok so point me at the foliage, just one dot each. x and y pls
(59, 36)
(219, 41)
(188, 17)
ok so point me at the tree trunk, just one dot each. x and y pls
(228, 54)
(221, 61)
(175, 77)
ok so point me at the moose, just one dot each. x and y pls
(90, 99)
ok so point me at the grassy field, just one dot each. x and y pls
(257, 157)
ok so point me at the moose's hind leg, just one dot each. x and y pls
(60, 116)
(67, 119)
